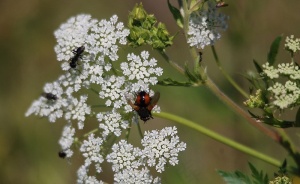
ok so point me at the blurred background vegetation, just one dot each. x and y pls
(29, 146)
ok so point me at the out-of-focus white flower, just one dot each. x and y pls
(83, 178)
(205, 26)
(292, 44)
(67, 139)
(270, 71)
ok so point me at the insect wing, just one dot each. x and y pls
(135, 107)
(153, 101)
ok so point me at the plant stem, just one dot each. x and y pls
(140, 130)
(175, 65)
(230, 80)
(219, 138)
(272, 134)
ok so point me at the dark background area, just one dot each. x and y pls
(29, 146)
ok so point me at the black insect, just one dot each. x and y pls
(49, 96)
(62, 154)
(200, 57)
(77, 55)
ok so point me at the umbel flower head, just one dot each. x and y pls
(88, 50)
(205, 26)
(284, 93)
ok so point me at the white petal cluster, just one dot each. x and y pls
(67, 139)
(285, 92)
(124, 156)
(84, 178)
(270, 71)
(205, 26)
(77, 110)
(53, 109)
(141, 70)
(285, 95)
(91, 151)
(289, 69)
(292, 44)
(72, 34)
(111, 122)
(132, 176)
(112, 89)
(99, 37)
(162, 147)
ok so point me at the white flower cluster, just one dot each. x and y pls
(91, 151)
(270, 71)
(287, 94)
(88, 49)
(285, 69)
(160, 148)
(67, 139)
(205, 26)
(292, 44)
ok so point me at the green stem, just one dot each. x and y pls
(128, 131)
(140, 130)
(90, 132)
(94, 90)
(175, 65)
(272, 134)
(219, 138)
(232, 82)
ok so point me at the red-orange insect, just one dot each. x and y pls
(144, 104)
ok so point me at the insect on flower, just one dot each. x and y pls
(49, 96)
(62, 154)
(77, 54)
(144, 104)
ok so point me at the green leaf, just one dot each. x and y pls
(235, 178)
(274, 50)
(297, 120)
(171, 82)
(176, 14)
(282, 168)
(190, 75)
(257, 66)
(259, 177)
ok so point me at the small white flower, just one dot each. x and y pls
(292, 44)
(67, 140)
(43, 107)
(141, 69)
(290, 70)
(91, 151)
(205, 25)
(162, 147)
(77, 110)
(270, 71)
(111, 122)
(285, 95)
(83, 178)
(124, 156)
(133, 176)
